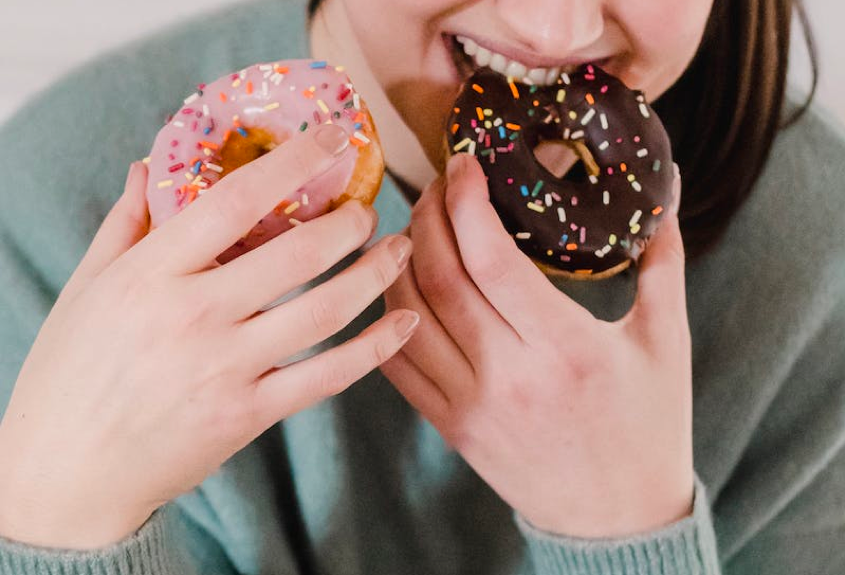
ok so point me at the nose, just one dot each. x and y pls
(553, 28)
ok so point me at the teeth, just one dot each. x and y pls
(537, 75)
(502, 65)
(470, 47)
(516, 70)
(498, 63)
(483, 56)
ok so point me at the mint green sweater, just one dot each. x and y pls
(361, 484)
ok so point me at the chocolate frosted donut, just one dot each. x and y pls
(596, 219)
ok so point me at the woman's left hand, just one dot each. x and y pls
(583, 426)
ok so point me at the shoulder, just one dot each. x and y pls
(783, 246)
(811, 151)
(67, 151)
(818, 128)
(807, 162)
(790, 224)
(767, 314)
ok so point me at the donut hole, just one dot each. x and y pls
(241, 149)
(566, 159)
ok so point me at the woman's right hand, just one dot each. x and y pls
(156, 364)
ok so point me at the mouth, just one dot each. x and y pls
(468, 56)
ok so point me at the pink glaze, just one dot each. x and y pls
(278, 97)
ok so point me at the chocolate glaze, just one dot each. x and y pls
(580, 223)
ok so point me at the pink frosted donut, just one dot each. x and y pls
(242, 116)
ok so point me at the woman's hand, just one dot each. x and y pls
(156, 364)
(583, 426)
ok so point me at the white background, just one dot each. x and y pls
(40, 38)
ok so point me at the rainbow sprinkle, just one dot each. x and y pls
(194, 157)
(494, 120)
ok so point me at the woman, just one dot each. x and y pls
(535, 437)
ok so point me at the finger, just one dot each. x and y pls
(433, 349)
(416, 387)
(661, 292)
(297, 256)
(282, 392)
(125, 225)
(323, 311)
(507, 278)
(232, 207)
(443, 282)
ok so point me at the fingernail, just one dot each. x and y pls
(400, 248)
(332, 138)
(676, 170)
(455, 167)
(406, 324)
(676, 191)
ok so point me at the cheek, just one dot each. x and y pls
(664, 35)
(395, 36)
(401, 43)
(395, 21)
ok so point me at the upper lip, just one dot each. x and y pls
(530, 59)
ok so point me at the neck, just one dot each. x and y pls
(332, 39)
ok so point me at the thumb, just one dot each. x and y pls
(661, 292)
(125, 225)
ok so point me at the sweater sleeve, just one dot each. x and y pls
(169, 543)
(685, 547)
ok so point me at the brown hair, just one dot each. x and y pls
(723, 113)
